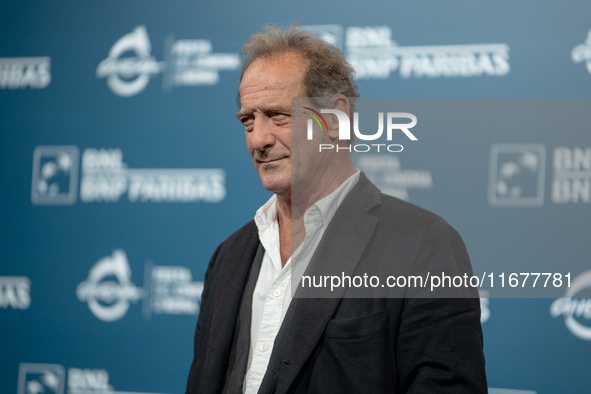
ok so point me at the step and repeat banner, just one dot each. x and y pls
(123, 167)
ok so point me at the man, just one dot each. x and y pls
(252, 335)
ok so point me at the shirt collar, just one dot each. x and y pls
(267, 214)
(327, 206)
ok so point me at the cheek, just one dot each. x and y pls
(285, 138)
(287, 144)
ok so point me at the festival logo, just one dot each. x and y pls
(109, 291)
(109, 300)
(188, 63)
(193, 63)
(484, 306)
(582, 52)
(171, 291)
(129, 75)
(576, 307)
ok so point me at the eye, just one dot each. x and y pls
(247, 121)
(244, 119)
(280, 117)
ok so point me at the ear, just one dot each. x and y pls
(342, 104)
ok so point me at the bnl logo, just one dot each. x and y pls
(41, 379)
(55, 175)
(516, 175)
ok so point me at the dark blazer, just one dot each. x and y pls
(353, 345)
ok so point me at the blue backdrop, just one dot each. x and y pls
(123, 168)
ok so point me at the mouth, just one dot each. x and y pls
(270, 161)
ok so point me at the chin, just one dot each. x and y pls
(275, 184)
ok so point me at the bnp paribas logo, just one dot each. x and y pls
(41, 379)
(516, 175)
(55, 175)
(105, 177)
(344, 126)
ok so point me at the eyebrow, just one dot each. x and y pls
(266, 109)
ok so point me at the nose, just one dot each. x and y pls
(261, 136)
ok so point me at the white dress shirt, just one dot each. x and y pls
(272, 294)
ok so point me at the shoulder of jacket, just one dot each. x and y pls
(236, 244)
(239, 239)
(246, 231)
(400, 211)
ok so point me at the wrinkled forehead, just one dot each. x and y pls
(281, 72)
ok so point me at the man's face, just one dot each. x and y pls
(265, 110)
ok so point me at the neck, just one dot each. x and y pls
(292, 205)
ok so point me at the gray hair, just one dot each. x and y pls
(328, 73)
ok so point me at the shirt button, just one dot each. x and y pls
(264, 348)
(277, 293)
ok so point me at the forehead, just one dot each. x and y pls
(277, 78)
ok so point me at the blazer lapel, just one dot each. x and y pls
(227, 295)
(342, 246)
